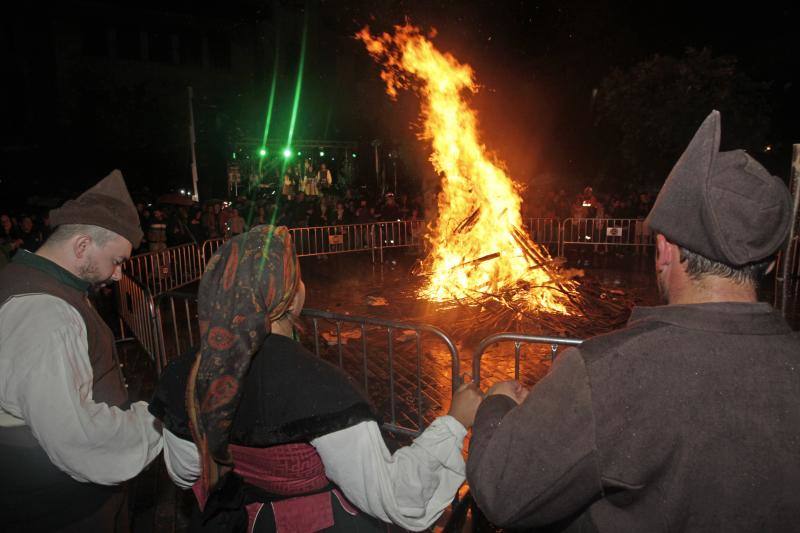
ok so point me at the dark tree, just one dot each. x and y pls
(648, 113)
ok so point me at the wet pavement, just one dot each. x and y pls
(347, 285)
(411, 387)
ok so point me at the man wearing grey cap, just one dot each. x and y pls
(68, 438)
(689, 418)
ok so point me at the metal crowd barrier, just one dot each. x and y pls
(794, 267)
(137, 312)
(391, 327)
(177, 326)
(399, 234)
(208, 248)
(605, 232)
(175, 330)
(166, 270)
(326, 240)
(787, 290)
(545, 232)
(518, 339)
(175, 267)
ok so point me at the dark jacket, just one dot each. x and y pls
(686, 420)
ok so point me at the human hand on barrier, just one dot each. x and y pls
(511, 388)
(465, 403)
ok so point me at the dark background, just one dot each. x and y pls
(573, 93)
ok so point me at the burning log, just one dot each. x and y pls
(468, 222)
(488, 257)
(522, 240)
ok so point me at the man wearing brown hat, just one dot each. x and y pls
(689, 418)
(68, 439)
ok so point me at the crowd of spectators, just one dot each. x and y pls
(590, 204)
(167, 225)
(306, 204)
(25, 230)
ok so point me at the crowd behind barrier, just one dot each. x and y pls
(175, 267)
(177, 220)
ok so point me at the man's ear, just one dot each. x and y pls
(665, 252)
(80, 245)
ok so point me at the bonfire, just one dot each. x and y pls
(480, 255)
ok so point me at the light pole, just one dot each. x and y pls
(375, 144)
(192, 142)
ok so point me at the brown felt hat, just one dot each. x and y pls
(722, 205)
(108, 205)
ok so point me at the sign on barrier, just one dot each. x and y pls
(604, 232)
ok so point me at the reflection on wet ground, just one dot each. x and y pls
(352, 285)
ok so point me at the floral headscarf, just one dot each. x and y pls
(250, 282)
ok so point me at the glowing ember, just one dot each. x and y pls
(478, 248)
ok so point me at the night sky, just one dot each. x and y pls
(538, 63)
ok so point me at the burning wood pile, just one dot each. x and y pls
(480, 256)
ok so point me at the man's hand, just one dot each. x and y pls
(511, 388)
(465, 404)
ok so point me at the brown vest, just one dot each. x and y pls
(36, 495)
(107, 386)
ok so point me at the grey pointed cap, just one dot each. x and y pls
(722, 205)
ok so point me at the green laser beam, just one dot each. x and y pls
(270, 106)
(298, 87)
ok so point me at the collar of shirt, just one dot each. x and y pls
(67, 278)
(756, 318)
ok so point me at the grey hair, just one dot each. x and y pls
(100, 236)
(699, 266)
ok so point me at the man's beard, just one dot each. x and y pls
(88, 272)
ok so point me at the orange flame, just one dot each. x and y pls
(474, 250)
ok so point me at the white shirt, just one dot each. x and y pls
(46, 383)
(410, 488)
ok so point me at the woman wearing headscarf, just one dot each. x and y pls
(273, 438)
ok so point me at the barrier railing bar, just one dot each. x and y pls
(316, 336)
(419, 379)
(365, 355)
(188, 322)
(391, 374)
(516, 337)
(339, 342)
(175, 324)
